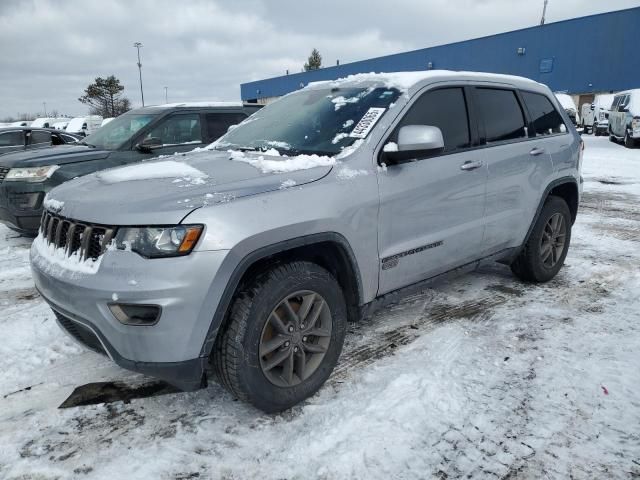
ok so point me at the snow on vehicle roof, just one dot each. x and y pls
(198, 104)
(565, 100)
(405, 80)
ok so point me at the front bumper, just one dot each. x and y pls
(182, 286)
(21, 205)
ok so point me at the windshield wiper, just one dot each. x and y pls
(86, 144)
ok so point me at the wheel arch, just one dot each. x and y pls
(330, 250)
(565, 188)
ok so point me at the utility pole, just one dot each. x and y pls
(44, 106)
(165, 95)
(138, 45)
(544, 12)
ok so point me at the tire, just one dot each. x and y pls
(259, 317)
(533, 265)
(628, 141)
(595, 130)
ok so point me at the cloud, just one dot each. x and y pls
(202, 49)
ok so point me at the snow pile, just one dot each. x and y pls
(52, 204)
(55, 261)
(288, 184)
(346, 173)
(339, 137)
(391, 147)
(152, 170)
(284, 164)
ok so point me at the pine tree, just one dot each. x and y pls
(314, 62)
(104, 97)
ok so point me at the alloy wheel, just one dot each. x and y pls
(553, 240)
(295, 338)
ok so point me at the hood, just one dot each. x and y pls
(165, 190)
(37, 157)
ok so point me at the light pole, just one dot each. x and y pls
(44, 107)
(138, 45)
(544, 12)
(165, 95)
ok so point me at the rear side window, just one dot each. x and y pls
(545, 118)
(446, 109)
(616, 102)
(501, 113)
(10, 139)
(40, 137)
(219, 123)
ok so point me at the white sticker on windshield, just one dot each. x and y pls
(367, 122)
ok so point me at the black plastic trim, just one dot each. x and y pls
(243, 266)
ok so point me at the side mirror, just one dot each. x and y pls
(149, 144)
(415, 141)
(622, 109)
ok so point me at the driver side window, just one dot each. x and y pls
(177, 130)
(444, 108)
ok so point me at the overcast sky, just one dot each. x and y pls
(50, 50)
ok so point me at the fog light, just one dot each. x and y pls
(132, 314)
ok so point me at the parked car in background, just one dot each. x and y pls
(60, 125)
(569, 106)
(84, 125)
(106, 120)
(595, 116)
(135, 136)
(21, 123)
(24, 138)
(46, 122)
(244, 262)
(624, 118)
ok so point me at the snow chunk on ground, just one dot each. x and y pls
(285, 164)
(56, 262)
(149, 170)
(52, 204)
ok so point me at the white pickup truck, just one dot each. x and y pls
(595, 116)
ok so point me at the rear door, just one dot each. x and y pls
(218, 123)
(431, 208)
(515, 163)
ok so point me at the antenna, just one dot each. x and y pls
(544, 12)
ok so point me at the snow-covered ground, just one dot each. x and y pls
(480, 377)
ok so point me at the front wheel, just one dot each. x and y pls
(628, 141)
(283, 336)
(543, 255)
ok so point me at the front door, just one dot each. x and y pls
(431, 209)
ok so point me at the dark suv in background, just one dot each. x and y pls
(13, 139)
(26, 176)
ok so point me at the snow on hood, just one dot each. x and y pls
(149, 170)
(166, 190)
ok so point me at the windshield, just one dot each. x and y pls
(312, 121)
(115, 133)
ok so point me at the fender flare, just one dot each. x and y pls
(250, 259)
(553, 184)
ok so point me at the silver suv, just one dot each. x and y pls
(243, 262)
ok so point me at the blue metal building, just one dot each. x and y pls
(598, 53)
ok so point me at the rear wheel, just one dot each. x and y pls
(543, 255)
(283, 337)
(594, 129)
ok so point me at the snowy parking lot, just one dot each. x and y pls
(479, 377)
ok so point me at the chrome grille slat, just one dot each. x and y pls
(3, 173)
(85, 240)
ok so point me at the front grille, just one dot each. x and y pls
(85, 239)
(81, 333)
(3, 173)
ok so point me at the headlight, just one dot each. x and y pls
(32, 174)
(157, 242)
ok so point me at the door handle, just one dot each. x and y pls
(537, 151)
(469, 165)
